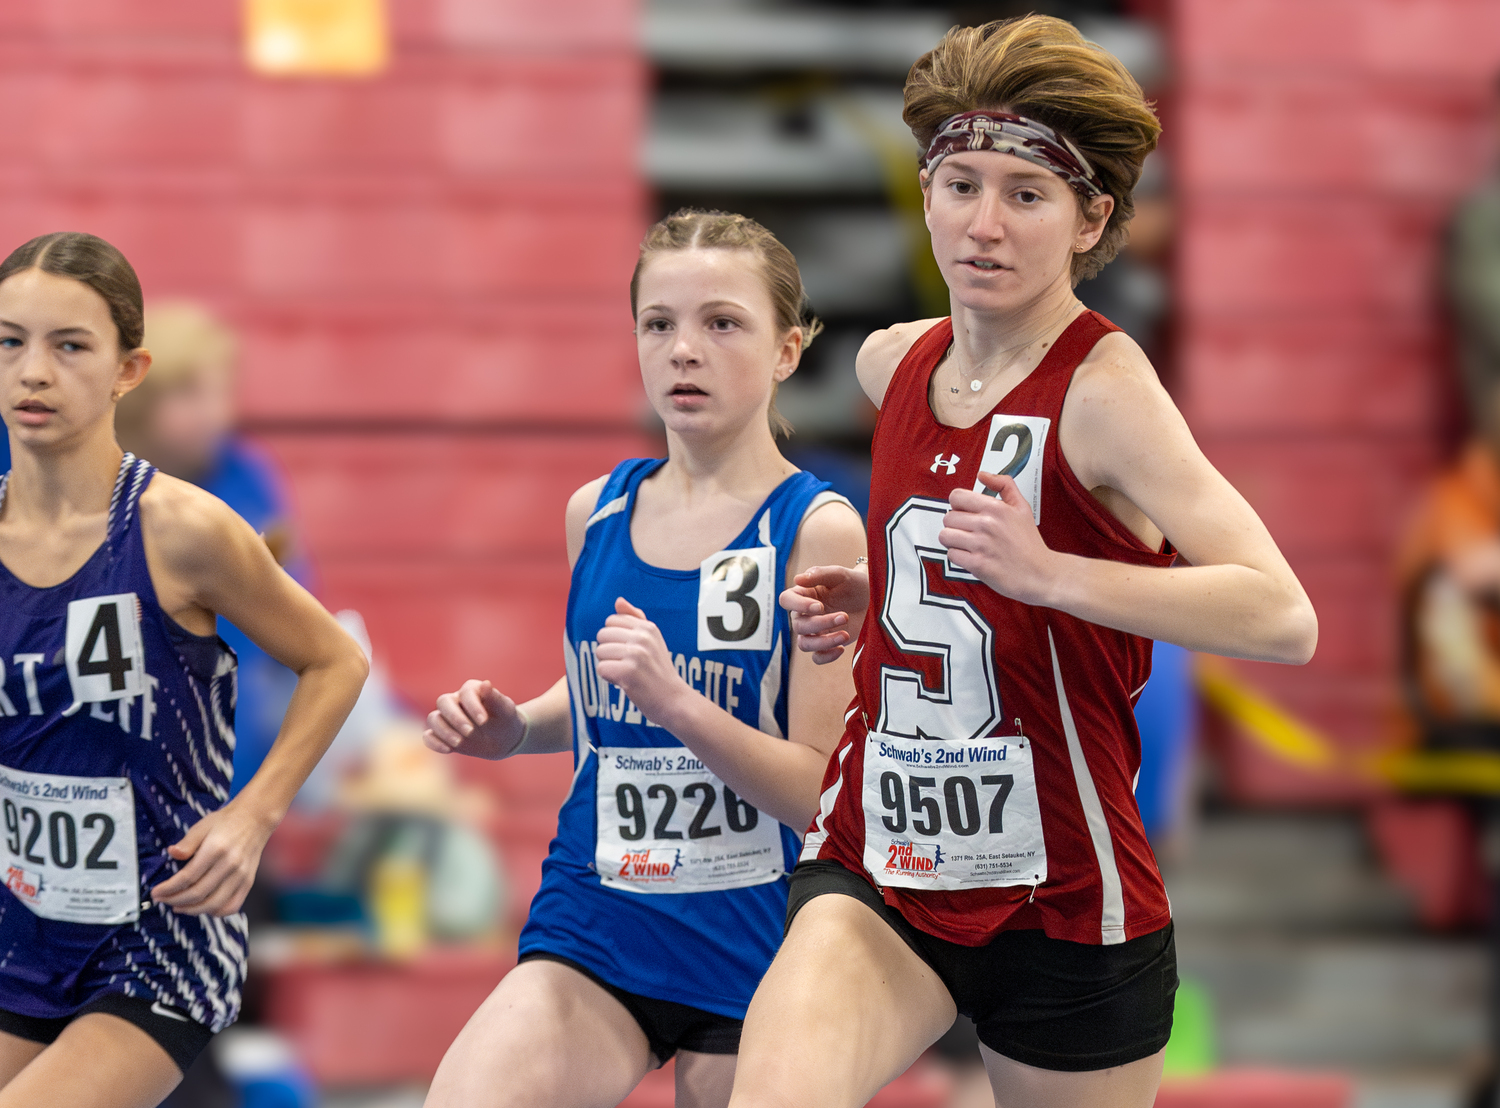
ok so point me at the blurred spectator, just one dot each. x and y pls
(1449, 573)
(1167, 714)
(182, 419)
(1473, 279)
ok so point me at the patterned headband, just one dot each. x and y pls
(1013, 134)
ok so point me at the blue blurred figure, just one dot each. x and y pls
(1168, 718)
(182, 420)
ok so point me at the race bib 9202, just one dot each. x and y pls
(667, 824)
(943, 814)
(70, 845)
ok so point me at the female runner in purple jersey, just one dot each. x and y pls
(70, 347)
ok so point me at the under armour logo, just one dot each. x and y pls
(951, 463)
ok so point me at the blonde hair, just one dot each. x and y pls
(184, 338)
(689, 228)
(1041, 67)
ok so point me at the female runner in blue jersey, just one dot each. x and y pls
(699, 736)
(122, 949)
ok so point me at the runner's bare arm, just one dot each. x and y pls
(483, 722)
(826, 606)
(780, 778)
(1124, 438)
(205, 560)
(827, 603)
(876, 362)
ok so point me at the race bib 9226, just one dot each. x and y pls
(667, 824)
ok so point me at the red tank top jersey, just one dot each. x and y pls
(1071, 684)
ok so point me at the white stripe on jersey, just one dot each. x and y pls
(582, 748)
(614, 506)
(827, 496)
(819, 834)
(770, 690)
(1112, 923)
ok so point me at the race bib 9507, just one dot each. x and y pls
(942, 814)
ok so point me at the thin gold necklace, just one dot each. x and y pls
(975, 385)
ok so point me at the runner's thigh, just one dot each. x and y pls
(15, 1054)
(546, 1035)
(844, 1009)
(703, 1080)
(1018, 1085)
(99, 1061)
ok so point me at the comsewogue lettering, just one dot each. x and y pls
(719, 682)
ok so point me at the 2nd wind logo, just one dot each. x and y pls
(914, 859)
(655, 864)
(25, 884)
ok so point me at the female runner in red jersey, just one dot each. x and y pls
(1032, 481)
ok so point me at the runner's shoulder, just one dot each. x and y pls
(185, 525)
(581, 505)
(1115, 376)
(882, 352)
(831, 534)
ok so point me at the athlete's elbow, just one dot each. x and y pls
(342, 662)
(1298, 638)
(357, 665)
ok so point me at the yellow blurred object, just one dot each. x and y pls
(1440, 771)
(311, 38)
(1287, 738)
(898, 160)
(398, 903)
(1471, 772)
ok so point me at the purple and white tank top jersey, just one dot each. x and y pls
(116, 736)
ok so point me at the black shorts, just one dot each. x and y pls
(669, 1026)
(172, 1029)
(1049, 1003)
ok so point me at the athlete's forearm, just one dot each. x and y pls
(325, 693)
(780, 778)
(1232, 610)
(549, 728)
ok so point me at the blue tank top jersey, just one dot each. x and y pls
(116, 736)
(661, 880)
